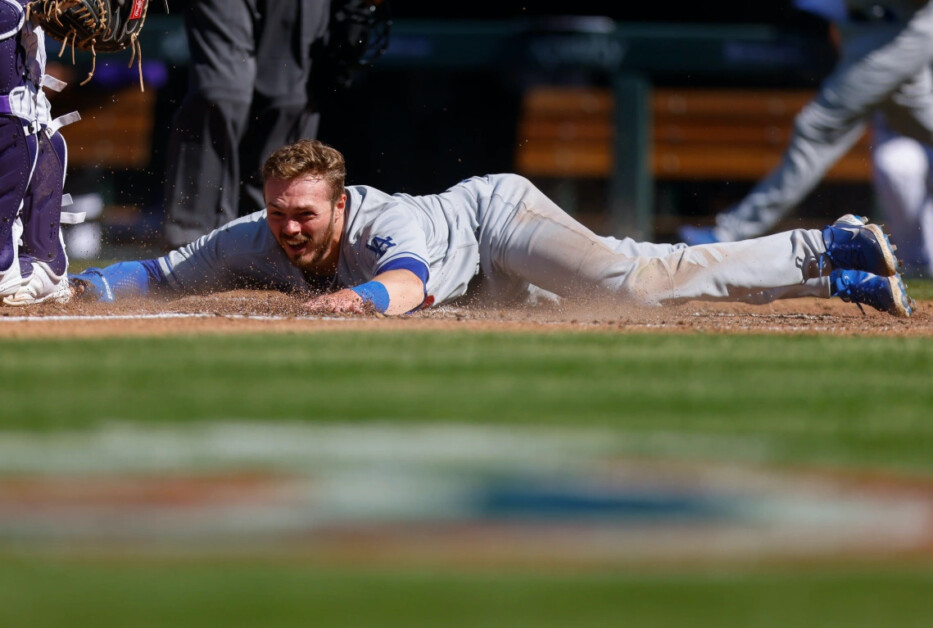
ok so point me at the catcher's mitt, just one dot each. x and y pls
(92, 25)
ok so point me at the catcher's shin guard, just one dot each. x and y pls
(17, 159)
(42, 259)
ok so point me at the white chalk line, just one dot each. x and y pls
(160, 316)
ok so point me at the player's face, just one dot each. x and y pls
(304, 221)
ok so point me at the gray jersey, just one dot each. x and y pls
(436, 233)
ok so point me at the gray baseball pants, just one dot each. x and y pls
(525, 238)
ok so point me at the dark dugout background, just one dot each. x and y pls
(421, 130)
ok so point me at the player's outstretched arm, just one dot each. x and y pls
(392, 292)
(123, 279)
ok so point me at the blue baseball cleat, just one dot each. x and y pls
(852, 220)
(853, 245)
(887, 294)
(694, 236)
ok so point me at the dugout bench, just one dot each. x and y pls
(115, 130)
(674, 134)
(612, 133)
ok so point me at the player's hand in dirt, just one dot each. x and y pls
(340, 302)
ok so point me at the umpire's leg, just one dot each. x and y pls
(203, 169)
(281, 112)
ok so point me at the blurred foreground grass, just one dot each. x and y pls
(806, 399)
(812, 400)
(45, 594)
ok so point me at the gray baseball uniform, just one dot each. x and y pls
(502, 227)
(884, 64)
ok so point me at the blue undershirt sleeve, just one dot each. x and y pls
(120, 280)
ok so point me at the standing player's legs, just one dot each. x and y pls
(203, 169)
(525, 237)
(902, 179)
(817, 142)
(876, 60)
(43, 262)
(274, 124)
(281, 112)
(17, 146)
(926, 228)
(17, 159)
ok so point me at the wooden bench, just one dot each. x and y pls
(115, 129)
(696, 134)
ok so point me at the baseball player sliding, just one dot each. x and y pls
(358, 249)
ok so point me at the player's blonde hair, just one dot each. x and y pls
(308, 157)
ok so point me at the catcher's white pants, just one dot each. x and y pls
(525, 238)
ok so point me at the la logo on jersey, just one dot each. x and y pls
(379, 246)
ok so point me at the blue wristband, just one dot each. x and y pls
(374, 293)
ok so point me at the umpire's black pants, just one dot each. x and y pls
(250, 63)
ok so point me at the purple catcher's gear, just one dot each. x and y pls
(33, 157)
(42, 260)
(41, 215)
(17, 153)
(12, 18)
(17, 145)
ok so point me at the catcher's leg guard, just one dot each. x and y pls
(17, 159)
(43, 262)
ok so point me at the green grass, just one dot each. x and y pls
(920, 289)
(844, 400)
(47, 594)
(814, 400)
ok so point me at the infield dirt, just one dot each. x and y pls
(264, 311)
